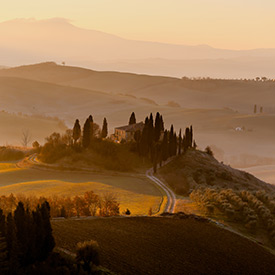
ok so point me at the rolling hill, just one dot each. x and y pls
(144, 245)
(214, 107)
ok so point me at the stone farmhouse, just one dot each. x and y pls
(127, 133)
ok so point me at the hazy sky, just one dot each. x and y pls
(234, 24)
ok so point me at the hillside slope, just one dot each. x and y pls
(197, 169)
(165, 246)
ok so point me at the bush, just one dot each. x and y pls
(87, 254)
(209, 151)
(127, 212)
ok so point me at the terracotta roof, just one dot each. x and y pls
(131, 127)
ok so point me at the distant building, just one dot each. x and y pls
(127, 133)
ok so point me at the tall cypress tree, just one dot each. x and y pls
(161, 124)
(2, 223)
(191, 136)
(76, 131)
(86, 133)
(4, 264)
(144, 141)
(157, 130)
(91, 127)
(12, 245)
(180, 143)
(104, 132)
(171, 140)
(48, 240)
(175, 144)
(164, 146)
(22, 234)
(132, 119)
(187, 138)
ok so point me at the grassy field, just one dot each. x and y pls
(8, 167)
(165, 246)
(135, 192)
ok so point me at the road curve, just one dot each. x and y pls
(171, 197)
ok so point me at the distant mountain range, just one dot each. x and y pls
(25, 41)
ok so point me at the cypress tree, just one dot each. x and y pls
(39, 233)
(2, 223)
(91, 127)
(187, 138)
(76, 131)
(164, 147)
(180, 143)
(104, 132)
(175, 144)
(157, 130)
(191, 136)
(144, 141)
(4, 264)
(171, 140)
(20, 220)
(132, 119)
(48, 240)
(161, 124)
(12, 245)
(86, 133)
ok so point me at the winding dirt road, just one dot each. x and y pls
(171, 197)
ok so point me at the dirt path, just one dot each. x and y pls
(171, 197)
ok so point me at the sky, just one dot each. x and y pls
(234, 24)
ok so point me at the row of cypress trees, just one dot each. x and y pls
(159, 144)
(153, 142)
(25, 238)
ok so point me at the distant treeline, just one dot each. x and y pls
(89, 204)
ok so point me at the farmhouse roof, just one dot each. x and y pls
(132, 127)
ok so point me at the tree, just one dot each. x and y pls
(2, 223)
(76, 131)
(47, 239)
(36, 145)
(209, 151)
(86, 133)
(12, 244)
(255, 109)
(261, 110)
(171, 140)
(92, 127)
(26, 137)
(104, 132)
(86, 253)
(132, 119)
(4, 264)
(164, 147)
(158, 126)
(180, 143)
